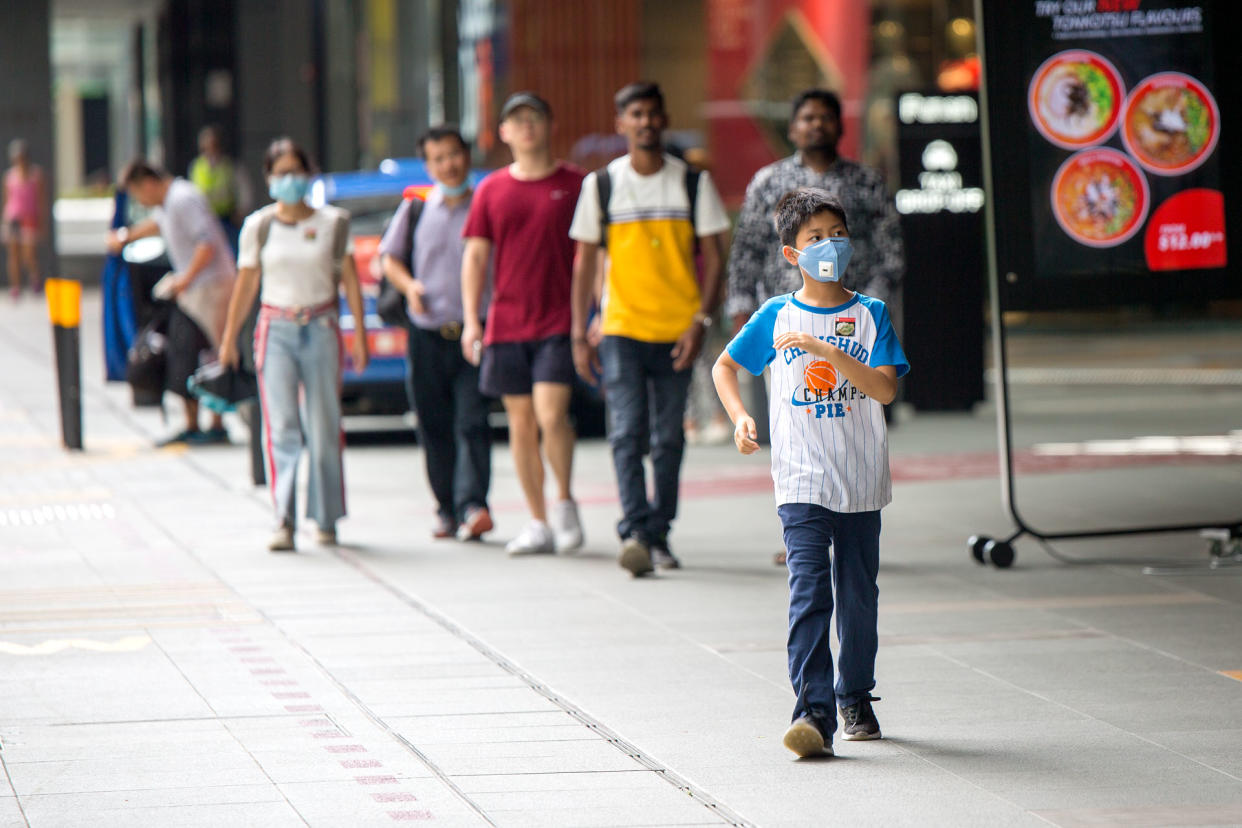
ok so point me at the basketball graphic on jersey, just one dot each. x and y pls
(820, 376)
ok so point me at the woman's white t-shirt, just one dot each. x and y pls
(296, 262)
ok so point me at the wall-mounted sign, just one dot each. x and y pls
(940, 200)
(1115, 148)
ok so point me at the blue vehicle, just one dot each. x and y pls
(371, 197)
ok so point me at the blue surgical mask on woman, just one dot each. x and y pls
(455, 192)
(826, 260)
(289, 189)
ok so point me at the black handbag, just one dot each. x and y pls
(146, 366)
(222, 389)
(391, 304)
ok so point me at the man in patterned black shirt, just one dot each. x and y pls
(758, 271)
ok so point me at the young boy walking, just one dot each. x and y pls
(835, 362)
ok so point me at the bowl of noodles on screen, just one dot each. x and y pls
(1171, 123)
(1075, 99)
(1100, 197)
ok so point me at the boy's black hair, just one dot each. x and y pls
(439, 133)
(286, 146)
(638, 91)
(799, 206)
(824, 96)
(140, 169)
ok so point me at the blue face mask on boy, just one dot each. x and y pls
(289, 189)
(826, 260)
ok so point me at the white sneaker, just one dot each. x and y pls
(536, 539)
(282, 539)
(566, 527)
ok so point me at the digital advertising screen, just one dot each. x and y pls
(1107, 152)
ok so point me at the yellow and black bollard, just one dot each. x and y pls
(64, 305)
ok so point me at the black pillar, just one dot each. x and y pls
(26, 98)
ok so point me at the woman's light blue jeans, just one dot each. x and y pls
(299, 367)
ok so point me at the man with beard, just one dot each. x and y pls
(758, 271)
(648, 209)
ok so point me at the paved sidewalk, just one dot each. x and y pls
(158, 667)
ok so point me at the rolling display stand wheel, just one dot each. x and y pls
(975, 545)
(985, 550)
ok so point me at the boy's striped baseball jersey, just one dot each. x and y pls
(829, 442)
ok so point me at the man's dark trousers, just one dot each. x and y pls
(452, 420)
(646, 407)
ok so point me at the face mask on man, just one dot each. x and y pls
(289, 189)
(826, 260)
(455, 192)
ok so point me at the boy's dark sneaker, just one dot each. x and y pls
(806, 739)
(662, 557)
(860, 722)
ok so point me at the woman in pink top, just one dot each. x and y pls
(23, 216)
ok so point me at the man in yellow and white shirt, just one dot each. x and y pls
(652, 214)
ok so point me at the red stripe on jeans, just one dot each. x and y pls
(260, 357)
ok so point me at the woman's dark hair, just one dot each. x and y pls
(140, 169)
(799, 206)
(638, 91)
(439, 133)
(285, 146)
(828, 99)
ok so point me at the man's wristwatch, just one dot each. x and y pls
(704, 319)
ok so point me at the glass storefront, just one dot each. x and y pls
(728, 68)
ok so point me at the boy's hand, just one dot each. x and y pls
(745, 436)
(800, 340)
(806, 342)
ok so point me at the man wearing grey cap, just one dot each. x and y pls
(520, 219)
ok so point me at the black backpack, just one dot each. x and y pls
(603, 186)
(391, 305)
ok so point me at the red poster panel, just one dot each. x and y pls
(762, 53)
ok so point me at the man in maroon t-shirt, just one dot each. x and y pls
(520, 218)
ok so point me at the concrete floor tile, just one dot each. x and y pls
(506, 701)
(123, 772)
(580, 756)
(350, 803)
(49, 812)
(11, 813)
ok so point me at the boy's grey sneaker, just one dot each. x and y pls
(662, 557)
(635, 556)
(860, 722)
(805, 739)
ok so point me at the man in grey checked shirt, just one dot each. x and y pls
(758, 271)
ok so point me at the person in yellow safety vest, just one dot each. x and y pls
(221, 181)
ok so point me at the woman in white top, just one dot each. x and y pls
(293, 256)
